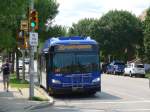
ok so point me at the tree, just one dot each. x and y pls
(11, 12)
(47, 11)
(10, 16)
(146, 25)
(56, 31)
(119, 34)
(53, 31)
(82, 28)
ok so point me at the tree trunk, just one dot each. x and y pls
(23, 69)
(17, 65)
(13, 61)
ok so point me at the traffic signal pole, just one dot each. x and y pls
(31, 66)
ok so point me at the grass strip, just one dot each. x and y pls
(147, 75)
(18, 83)
(36, 98)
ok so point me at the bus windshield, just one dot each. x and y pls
(66, 63)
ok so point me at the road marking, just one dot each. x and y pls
(124, 94)
(132, 110)
(114, 110)
(115, 102)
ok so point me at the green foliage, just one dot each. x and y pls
(147, 75)
(47, 11)
(36, 98)
(56, 31)
(146, 25)
(16, 83)
(82, 28)
(11, 13)
(119, 33)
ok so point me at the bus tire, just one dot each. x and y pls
(51, 93)
(91, 93)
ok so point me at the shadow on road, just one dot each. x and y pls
(6, 94)
(83, 96)
(108, 96)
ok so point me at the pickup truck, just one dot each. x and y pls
(133, 69)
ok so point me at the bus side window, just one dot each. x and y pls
(49, 63)
(43, 63)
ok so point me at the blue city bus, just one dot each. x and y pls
(70, 64)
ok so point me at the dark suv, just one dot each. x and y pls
(116, 67)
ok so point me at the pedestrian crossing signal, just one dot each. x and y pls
(22, 40)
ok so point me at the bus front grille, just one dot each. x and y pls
(77, 80)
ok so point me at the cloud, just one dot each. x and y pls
(71, 11)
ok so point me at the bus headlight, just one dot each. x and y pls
(56, 81)
(96, 80)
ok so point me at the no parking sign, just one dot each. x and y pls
(33, 39)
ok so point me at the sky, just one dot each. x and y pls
(71, 11)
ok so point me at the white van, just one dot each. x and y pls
(133, 69)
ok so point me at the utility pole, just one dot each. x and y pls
(23, 68)
(31, 67)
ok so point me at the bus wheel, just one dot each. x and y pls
(50, 93)
(91, 93)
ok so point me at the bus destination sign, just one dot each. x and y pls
(73, 47)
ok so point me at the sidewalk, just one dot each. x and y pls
(23, 93)
(12, 92)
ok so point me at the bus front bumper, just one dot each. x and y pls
(62, 90)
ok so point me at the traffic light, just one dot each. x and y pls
(33, 20)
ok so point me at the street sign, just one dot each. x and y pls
(24, 25)
(33, 40)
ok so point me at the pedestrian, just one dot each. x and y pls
(6, 74)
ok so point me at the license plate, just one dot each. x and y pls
(76, 88)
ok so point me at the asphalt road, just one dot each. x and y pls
(119, 94)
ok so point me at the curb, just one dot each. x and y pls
(42, 91)
(44, 104)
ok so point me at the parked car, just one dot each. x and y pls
(116, 67)
(20, 64)
(109, 69)
(26, 60)
(133, 69)
(147, 67)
